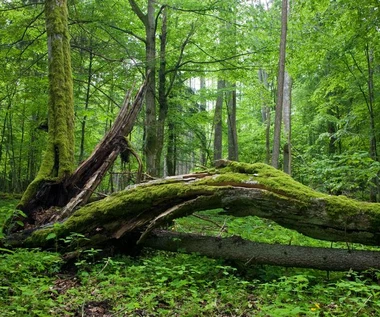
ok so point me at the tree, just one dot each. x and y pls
(218, 121)
(56, 184)
(287, 102)
(58, 161)
(280, 86)
(332, 105)
(150, 141)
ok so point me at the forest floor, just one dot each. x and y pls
(155, 283)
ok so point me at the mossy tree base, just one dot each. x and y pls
(240, 189)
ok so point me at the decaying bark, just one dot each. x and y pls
(240, 190)
(253, 253)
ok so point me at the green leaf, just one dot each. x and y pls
(51, 236)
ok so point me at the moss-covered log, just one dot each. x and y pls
(240, 189)
(253, 253)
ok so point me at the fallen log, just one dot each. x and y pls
(240, 189)
(254, 253)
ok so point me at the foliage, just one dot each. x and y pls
(162, 284)
(331, 44)
(35, 283)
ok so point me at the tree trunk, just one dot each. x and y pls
(231, 123)
(78, 187)
(280, 86)
(218, 121)
(204, 155)
(58, 161)
(374, 191)
(150, 132)
(162, 96)
(287, 105)
(150, 144)
(86, 104)
(240, 189)
(254, 253)
(171, 156)
(265, 113)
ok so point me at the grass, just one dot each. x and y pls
(35, 283)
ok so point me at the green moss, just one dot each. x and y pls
(346, 208)
(272, 179)
(152, 199)
(58, 160)
(278, 182)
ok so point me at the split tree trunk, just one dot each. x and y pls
(75, 189)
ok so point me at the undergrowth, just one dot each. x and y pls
(35, 283)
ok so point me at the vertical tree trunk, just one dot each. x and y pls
(287, 105)
(265, 114)
(20, 173)
(280, 86)
(218, 123)
(202, 108)
(171, 162)
(87, 101)
(58, 161)
(162, 96)
(375, 189)
(231, 123)
(4, 127)
(150, 144)
(331, 129)
(150, 128)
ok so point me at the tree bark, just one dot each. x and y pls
(375, 188)
(254, 253)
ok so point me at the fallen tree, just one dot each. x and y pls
(129, 217)
(253, 253)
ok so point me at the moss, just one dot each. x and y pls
(58, 160)
(144, 202)
(134, 201)
(337, 207)
(343, 207)
(272, 179)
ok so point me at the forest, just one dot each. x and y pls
(186, 158)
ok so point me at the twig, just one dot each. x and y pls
(211, 221)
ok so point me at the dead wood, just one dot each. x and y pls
(254, 253)
(78, 187)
